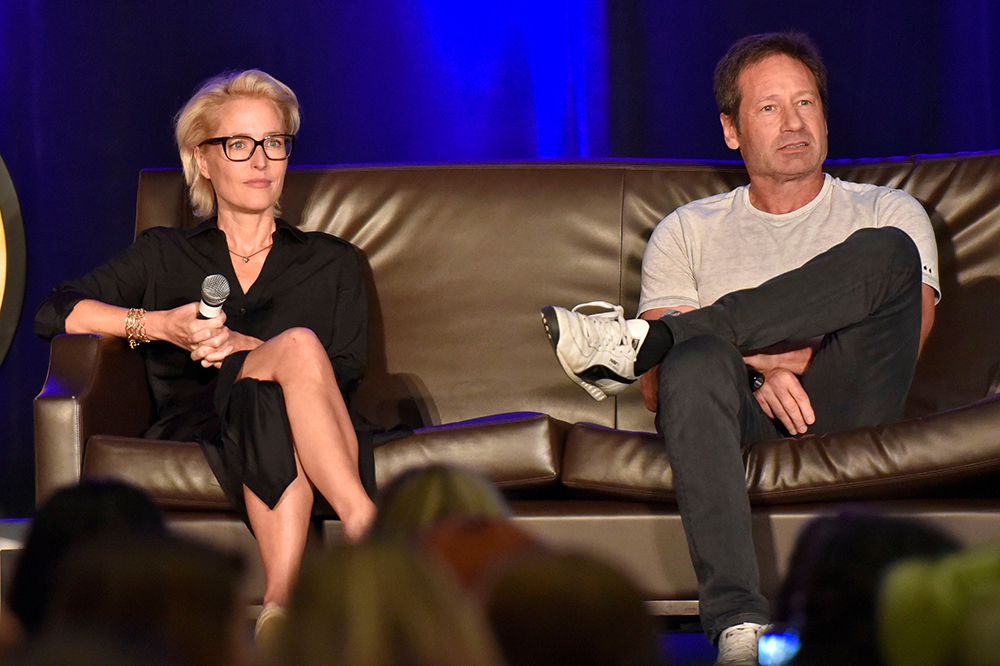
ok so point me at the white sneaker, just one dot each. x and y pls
(597, 351)
(738, 644)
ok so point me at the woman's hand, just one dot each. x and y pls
(208, 340)
(215, 350)
(181, 326)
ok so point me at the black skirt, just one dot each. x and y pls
(252, 444)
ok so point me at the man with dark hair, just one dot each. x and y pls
(796, 304)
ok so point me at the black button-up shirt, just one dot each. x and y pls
(310, 280)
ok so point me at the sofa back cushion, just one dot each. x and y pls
(462, 258)
(960, 363)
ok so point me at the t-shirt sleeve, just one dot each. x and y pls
(899, 209)
(120, 281)
(348, 349)
(667, 275)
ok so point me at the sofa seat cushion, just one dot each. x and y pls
(910, 459)
(520, 450)
(516, 451)
(176, 474)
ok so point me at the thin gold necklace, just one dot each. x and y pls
(246, 258)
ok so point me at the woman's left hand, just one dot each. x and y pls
(212, 352)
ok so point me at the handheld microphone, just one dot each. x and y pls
(214, 292)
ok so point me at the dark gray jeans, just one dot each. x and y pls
(864, 297)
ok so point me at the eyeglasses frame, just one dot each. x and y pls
(221, 141)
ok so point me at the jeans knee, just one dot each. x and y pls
(702, 363)
(890, 245)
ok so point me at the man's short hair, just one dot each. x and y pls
(754, 48)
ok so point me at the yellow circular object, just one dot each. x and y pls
(12, 261)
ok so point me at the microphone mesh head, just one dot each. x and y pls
(215, 290)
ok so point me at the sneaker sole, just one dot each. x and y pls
(551, 322)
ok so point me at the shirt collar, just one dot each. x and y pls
(279, 224)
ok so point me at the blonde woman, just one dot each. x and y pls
(419, 497)
(262, 385)
(383, 605)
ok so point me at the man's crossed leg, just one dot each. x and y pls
(863, 296)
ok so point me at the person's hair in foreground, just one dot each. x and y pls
(471, 546)
(74, 515)
(829, 594)
(751, 50)
(944, 613)
(382, 605)
(178, 598)
(549, 609)
(419, 497)
(73, 648)
(197, 120)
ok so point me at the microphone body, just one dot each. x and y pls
(214, 292)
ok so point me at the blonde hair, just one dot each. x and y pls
(197, 120)
(421, 496)
(382, 605)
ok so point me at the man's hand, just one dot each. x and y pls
(792, 356)
(650, 385)
(782, 397)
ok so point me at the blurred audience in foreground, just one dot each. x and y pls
(549, 609)
(183, 600)
(944, 613)
(418, 498)
(473, 546)
(85, 649)
(100, 580)
(73, 516)
(445, 578)
(382, 605)
(830, 594)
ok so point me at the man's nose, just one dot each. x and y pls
(792, 119)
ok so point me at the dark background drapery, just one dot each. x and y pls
(88, 90)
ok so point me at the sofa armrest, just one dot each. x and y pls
(95, 385)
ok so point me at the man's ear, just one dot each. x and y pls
(202, 165)
(729, 131)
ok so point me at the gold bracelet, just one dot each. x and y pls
(135, 327)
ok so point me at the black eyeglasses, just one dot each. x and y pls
(240, 148)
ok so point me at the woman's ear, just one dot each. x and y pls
(202, 163)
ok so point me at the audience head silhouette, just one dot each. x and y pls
(382, 605)
(74, 515)
(418, 498)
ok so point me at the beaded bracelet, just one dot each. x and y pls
(135, 327)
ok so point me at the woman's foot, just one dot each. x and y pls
(270, 624)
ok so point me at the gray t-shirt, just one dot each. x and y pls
(720, 244)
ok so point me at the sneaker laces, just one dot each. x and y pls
(607, 330)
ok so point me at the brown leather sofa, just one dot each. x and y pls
(463, 257)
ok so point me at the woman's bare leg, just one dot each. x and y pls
(281, 536)
(322, 432)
